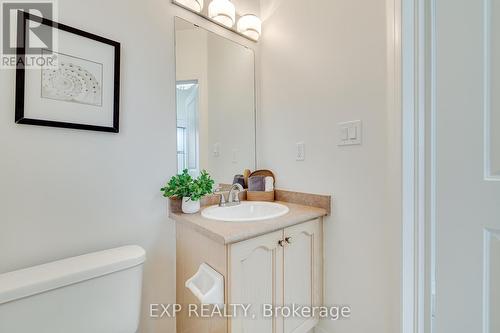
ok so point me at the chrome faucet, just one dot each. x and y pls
(233, 198)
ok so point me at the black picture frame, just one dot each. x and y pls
(20, 118)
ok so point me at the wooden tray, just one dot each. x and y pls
(262, 196)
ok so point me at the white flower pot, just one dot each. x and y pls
(190, 206)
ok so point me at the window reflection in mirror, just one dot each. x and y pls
(215, 90)
(187, 127)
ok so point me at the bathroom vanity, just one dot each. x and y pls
(276, 262)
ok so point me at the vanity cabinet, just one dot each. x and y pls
(282, 268)
(277, 263)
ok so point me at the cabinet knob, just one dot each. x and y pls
(281, 243)
(288, 240)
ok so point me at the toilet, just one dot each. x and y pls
(94, 293)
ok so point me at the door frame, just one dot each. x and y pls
(418, 96)
(489, 175)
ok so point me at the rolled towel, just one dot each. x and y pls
(269, 184)
(257, 183)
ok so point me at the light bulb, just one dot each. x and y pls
(250, 25)
(222, 11)
(196, 5)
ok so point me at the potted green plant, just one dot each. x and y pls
(189, 190)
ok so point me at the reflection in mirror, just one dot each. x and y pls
(187, 126)
(215, 92)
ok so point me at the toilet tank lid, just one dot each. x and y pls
(38, 279)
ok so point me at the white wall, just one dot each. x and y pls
(66, 192)
(324, 62)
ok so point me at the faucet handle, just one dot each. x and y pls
(222, 201)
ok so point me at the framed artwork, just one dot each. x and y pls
(80, 89)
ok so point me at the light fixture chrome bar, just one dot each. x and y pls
(213, 21)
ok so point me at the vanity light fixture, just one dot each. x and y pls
(251, 26)
(222, 11)
(195, 5)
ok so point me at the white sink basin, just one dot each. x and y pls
(247, 211)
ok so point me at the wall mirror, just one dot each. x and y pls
(215, 91)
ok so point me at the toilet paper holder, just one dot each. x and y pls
(207, 285)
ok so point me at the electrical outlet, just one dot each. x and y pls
(301, 151)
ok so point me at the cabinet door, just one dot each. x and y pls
(256, 278)
(303, 276)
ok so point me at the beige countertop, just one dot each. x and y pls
(233, 232)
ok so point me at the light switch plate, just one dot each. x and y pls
(216, 150)
(350, 133)
(301, 151)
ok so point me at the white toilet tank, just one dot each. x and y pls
(94, 293)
